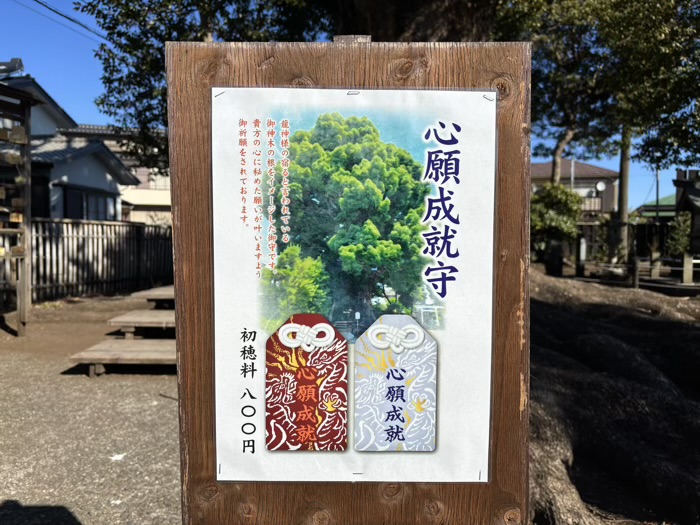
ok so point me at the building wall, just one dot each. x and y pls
(606, 199)
(88, 171)
(150, 206)
(42, 122)
(162, 218)
(610, 196)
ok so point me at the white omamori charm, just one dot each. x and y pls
(395, 388)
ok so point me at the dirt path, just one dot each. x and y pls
(80, 451)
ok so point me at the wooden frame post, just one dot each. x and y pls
(193, 69)
(16, 106)
(24, 286)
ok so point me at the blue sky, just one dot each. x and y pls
(60, 55)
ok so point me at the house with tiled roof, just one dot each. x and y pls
(598, 186)
(149, 200)
(73, 177)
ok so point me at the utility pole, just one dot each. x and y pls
(657, 194)
(573, 171)
(656, 245)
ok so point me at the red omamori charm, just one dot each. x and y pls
(306, 386)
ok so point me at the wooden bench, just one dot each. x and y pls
(128, 322)
(127, 352)
(163, 297)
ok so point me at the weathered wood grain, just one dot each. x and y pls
(193, 69)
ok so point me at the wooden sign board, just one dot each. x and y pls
(193, 70)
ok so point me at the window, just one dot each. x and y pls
(84, 204)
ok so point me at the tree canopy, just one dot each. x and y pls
(598, 66)
(605, 71)
(568, 76)
(608, 75)
(133, 59)
(357, 204)
(613, 75)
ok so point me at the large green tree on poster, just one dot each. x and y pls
(356, 206)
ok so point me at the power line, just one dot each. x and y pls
(653, 183)
(56, 21)
(70, 18)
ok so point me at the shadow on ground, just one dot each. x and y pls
(148, 370)
(14, 513)
(6, 327)
(615, 421)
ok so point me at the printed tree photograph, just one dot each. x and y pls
(357, 209)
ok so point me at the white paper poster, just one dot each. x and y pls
(353, 279)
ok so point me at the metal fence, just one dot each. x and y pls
(78, 257)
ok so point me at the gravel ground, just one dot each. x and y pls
(80, 451)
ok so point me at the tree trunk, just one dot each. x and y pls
(414, 20)
(623, 194)
(562, 143)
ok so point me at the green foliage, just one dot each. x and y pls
(133, 59)
(655, 54)
(678, 241)
(613, 75)
(299, 286)
(600, 66)
(569, 71)
(554, 212)
(357, 205)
